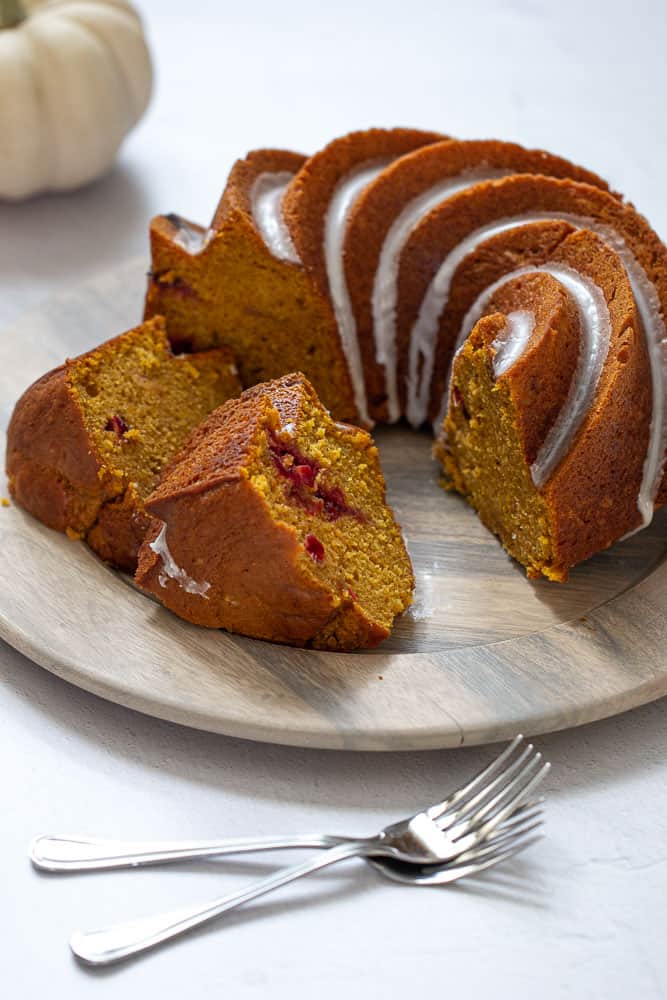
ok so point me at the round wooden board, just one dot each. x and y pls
(484, 653)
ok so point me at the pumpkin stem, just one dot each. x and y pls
(12, 12)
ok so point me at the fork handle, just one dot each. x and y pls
(80, 854)
(111, 944)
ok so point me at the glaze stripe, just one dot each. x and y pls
(266, 197)
(171, 570)
(511, 343)
(346, 193)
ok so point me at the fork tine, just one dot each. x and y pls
(532, 807)
(483, 858)
(506, 794)
(519, 817)
(482, 825)
(437, 810)
(496, 843)
(455, 872)
(512, 826)
(516, 793)
(495, 836)
(452, 816)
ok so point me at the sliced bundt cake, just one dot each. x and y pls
(302, 264)
(87, 441)
(396, 240)
(272, 522)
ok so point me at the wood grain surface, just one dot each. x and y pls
(482, 654)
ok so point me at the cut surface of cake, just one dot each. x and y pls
(87, 441)
(272, 522)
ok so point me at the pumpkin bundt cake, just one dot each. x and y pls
(87, 441)
(272, 522)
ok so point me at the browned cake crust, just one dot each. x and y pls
(79, 465)
(378, 206)
(260, 514)
(308, 196)
(495, 426)
(52, 470)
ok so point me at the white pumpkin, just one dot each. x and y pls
(75, 76)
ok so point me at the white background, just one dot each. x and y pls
(584, 915)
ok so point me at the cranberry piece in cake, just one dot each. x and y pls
(117, 424)
(314, 548)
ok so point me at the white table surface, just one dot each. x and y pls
(583, 916)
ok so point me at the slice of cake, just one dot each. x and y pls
(87, 441)
(272, 522)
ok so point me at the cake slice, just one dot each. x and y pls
(87, 441)
(272, 522)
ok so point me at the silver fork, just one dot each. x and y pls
(80, 854)
(462, 833)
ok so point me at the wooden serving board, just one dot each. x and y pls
(483, 653)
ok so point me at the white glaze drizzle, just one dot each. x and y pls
(191, 240)
(512, 341)
(266, 196)
(171, 570)
(593, 348)
(424, 335)
(385, 291)
(342, 201)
